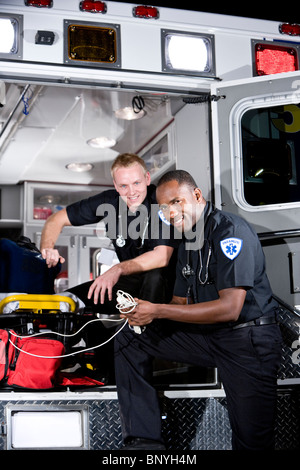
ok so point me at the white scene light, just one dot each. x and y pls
(187, 53)
(7, 36)
(33, 430)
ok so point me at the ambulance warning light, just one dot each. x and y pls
(93, 6)
(144, 11)
(39, 3)
(92, 43)
(290, 29)
(270, 58)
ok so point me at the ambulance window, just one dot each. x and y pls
(271, 155)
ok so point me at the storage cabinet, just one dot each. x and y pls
(80, 246)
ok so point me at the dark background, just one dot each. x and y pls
(277, 11)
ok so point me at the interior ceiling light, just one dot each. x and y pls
(101, 142)
(129, 114)
(8, 35)
(79, 167)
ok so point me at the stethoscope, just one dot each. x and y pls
(187, 270)
(120, 241)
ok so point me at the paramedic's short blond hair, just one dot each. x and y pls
(125, 160)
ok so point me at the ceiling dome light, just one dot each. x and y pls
(101, 142)
(79, 167)
(129, 114)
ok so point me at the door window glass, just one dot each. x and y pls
(271, 155)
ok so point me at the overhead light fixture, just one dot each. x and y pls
(188, 53)
(80, 167)
(129, 114)
(101, 142)
(10, 32)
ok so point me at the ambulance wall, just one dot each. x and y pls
(192, 143)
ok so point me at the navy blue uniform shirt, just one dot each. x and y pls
(132, 226)
(236, 260)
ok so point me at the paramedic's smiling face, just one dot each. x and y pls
(181, 205)
(131, 183)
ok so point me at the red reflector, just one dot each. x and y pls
(143, 11)
(39, 3)
(94, 7)
(290, 29)
(271, 59)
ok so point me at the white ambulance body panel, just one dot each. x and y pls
(53, 104)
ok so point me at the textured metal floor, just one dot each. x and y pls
(198, 423)
(188, 423)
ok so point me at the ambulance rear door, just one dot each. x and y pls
(256, 154)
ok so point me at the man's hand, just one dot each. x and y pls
(143, 314)
(52, 257)
(104, 283)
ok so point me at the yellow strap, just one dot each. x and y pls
(38, 302)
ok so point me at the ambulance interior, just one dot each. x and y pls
(57, 144)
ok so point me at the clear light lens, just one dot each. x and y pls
(7, 36)
(187, 53)
(80, 167)
(101, 142)
(34, 430)
(128, 114)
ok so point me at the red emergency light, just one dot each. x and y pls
(290, 29)
(93, 6)
(272, 58)
(143, 11)
(39, 3)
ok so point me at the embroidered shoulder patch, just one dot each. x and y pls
(231, 247)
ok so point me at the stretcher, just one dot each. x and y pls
(36, 303)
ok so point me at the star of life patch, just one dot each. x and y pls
(231, 247)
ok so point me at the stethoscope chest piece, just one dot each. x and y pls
(120, 241)
(187, 271)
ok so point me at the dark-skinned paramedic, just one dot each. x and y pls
(222, 315)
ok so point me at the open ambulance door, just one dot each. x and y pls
(256, 154)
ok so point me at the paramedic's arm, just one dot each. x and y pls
(51, 231)
(157, 258)
(224, 309)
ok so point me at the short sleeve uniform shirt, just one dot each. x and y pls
(142, 231)
(231, 256)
